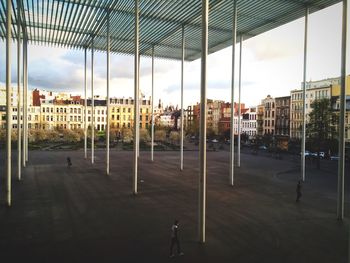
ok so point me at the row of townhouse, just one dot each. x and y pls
(248, 120)
(273, 116)
(219, 117)
(283, 116)
(64, 112)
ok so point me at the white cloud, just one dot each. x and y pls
(272, 64)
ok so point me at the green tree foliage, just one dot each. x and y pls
(160, 135)
(3, 135)
(71, 136)
(174, 137)
(38, 135)
(127, 135)
(321, 125)
(193, 129)
(144, 135)
(53, 135)
(89, 133)
(322, 121)
(113, 133)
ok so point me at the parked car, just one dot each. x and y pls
(263, 147)
(334, 158)
(307, 154)
(214, 141)
(322, 155)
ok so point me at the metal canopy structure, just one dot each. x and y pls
(72, 23)
(156, 28)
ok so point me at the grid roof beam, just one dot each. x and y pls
(72, 23)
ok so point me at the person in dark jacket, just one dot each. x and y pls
(298, 191)
(175, 239)
(69, 162)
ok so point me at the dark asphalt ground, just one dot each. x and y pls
(79, 214)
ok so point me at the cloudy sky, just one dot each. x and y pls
(272, 64)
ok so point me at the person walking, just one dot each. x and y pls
(69, 162)
(298, 191)
(175, 239)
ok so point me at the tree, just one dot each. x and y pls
(89, 134)
(80, 132)
(210, 132)
(193, 129)
(39, 135)
(321, 126)
(53, 135)
(71, 136)
(127, 135)
(3, 135)
(144, 135)
(113, 134)
(160, 135)
(174, 137)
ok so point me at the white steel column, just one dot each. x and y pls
(239, 102)
(138, 110)
(136, 96)
(232, 123)
(203, 123)
(108, 78)
(8, 102)
(25, 79)
(182, 99)
(85, 105)
(19, 75)
(341, 163)
(303, 131)
(26, 101)
(152, 107)
(92, 103)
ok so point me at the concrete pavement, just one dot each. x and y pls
(79, 214)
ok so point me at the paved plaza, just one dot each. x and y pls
(79, 214)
